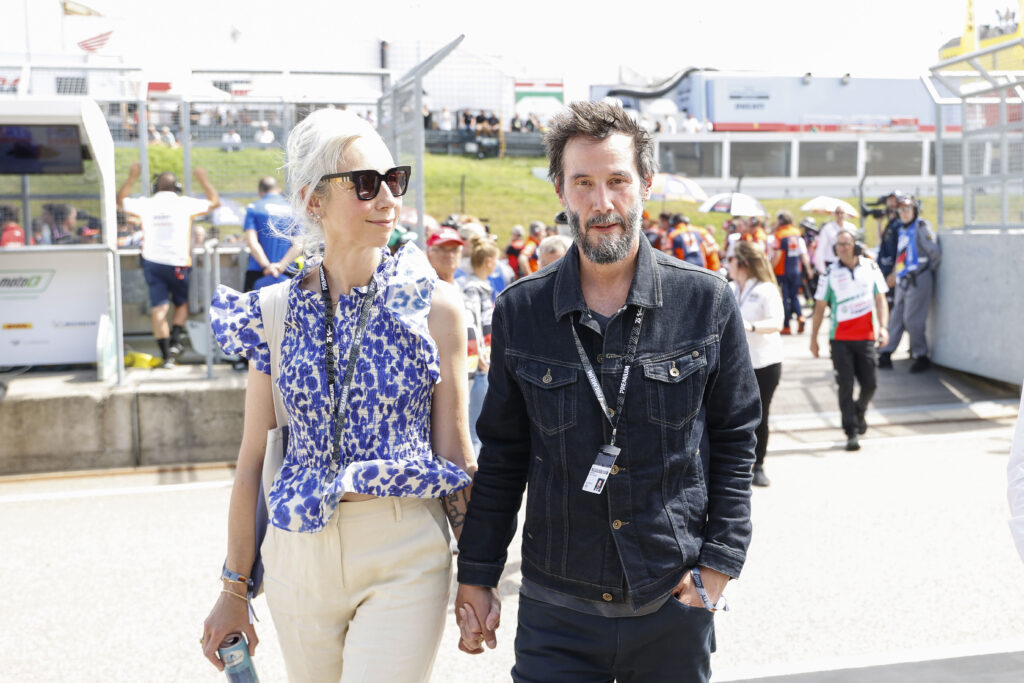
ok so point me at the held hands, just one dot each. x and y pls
(273, 269)
(229, 615)
(469, 602)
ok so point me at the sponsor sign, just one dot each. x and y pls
(50, 306)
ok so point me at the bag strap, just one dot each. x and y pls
(274, 305)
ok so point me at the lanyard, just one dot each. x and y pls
(613, 416)
(742, 294)
(338, 408)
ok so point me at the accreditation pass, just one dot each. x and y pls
(601, 468)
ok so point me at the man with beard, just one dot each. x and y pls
(633, 426)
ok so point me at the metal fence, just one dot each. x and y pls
(232, 123)
(980, 180)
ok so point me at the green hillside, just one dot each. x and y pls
(501, 192)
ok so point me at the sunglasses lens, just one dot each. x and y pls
(367, 184)
(397, 180)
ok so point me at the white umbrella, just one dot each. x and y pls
(670, 187)
(735, 203)
(826, 204)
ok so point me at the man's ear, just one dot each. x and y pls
(645, 194)
(560, 194)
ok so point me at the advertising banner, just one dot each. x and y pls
(50, 306)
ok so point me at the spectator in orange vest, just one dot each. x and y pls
(684, 242)
(789, 251)
(528, 257)
(709, 246)
(754, 232)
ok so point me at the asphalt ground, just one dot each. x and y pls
(891, 563)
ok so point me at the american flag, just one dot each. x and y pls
(96, 42)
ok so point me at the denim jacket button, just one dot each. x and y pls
(615, 469)
(695, 354)
(616, 524)
(608, 597)
(600, 358)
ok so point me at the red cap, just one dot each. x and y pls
(445, 235)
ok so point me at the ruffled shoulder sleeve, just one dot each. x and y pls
(237, 323)
(409, 291)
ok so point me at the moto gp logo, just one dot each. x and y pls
(22, 282)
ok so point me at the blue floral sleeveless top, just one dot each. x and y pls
(385, 445)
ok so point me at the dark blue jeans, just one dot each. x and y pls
(790, 284)
(559, 645)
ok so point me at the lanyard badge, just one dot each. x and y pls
(601, 468)
(606, 455)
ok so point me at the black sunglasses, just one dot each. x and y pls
(367, 182)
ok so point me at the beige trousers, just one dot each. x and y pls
(364, 599)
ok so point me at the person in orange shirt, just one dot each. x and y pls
(789, 251)
(709, 246)
(754, 232)
(514, 249)
(528, 257)
(684, 242)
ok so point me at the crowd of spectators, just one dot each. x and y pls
(484, 122)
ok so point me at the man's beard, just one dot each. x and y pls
(609, 248)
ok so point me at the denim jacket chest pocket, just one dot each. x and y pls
(674, 386)
(550, 393)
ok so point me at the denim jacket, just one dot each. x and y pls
(679, 494)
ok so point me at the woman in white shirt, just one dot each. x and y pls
(755, 288)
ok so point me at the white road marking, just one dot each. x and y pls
(882, 440)
(122, 491)
(864, 661)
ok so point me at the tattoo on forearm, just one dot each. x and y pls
(455, 508)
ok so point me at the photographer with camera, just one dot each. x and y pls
(166, 219)
(887, 235)
(917, 256)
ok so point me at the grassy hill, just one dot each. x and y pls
(501, 192)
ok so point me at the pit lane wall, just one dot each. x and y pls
(976, 323)
(62, 427)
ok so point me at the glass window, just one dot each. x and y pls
(760, 159)
(893, 158)
(692, 159)
(828, 158)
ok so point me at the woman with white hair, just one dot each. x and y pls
(372, 377)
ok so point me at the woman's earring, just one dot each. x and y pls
(315, 216)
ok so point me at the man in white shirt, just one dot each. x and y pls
(445, 121)
(264, 135)
(166, 219)
(824, 250)
(692, 125)
(231, 141)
